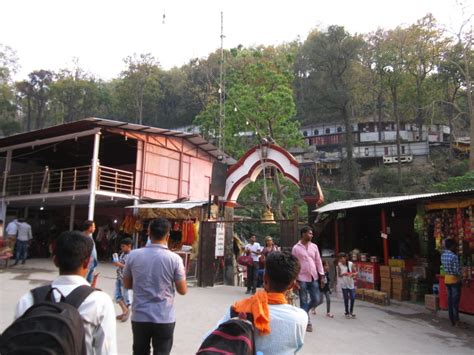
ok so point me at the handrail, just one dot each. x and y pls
(69, 179)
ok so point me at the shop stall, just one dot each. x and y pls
(453, 219)
(185, 218)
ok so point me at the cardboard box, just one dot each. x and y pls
(360, 293)
(432, 302)
(396, 263)
(381, 298)
(400, 295)
(369, 295)
(386, 285)
(399, 283)
(385, 271)
(397, 271)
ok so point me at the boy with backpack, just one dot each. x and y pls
(122, 295)
(279, 328)
(84, 318)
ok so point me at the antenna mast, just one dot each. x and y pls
(222, 91)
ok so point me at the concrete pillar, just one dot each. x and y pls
(229, 260)
(94, 174)
(72, 215)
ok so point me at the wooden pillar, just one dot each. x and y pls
(336, 236)
(229, 262)
(7, 166)
(383, 223)
(93, 177)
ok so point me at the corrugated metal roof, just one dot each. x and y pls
(344, 205)
(186, 205)
(91, 122)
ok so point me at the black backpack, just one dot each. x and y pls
(48, 327)
(236, 336)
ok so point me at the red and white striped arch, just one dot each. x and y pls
(247, 169)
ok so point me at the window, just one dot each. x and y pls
(403, 149)
(328, 131)
(316, 132)
(339, 129)
(385, 150)
(366, 152)
(305, 133)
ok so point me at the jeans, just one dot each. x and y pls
(21, 250)
(161, 336)
(309, 290)
(349, 295)
(328, 300)
(121, 293)
(454, 296)
(252, 276)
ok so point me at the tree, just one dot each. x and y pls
(138, 85)
(326, 62)
(261, 108)
(8, 66)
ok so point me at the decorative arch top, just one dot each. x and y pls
(248, 168)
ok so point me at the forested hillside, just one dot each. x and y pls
(417, 73)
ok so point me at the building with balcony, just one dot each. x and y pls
(93, 168)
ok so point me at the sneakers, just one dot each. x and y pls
(309, 328)
(329, 315)
(348, 316)
(353, 315)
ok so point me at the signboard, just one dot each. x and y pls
(366, 273)
(220, 239)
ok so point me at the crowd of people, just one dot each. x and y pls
(155, 274)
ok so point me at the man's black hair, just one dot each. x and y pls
(282, 269)
(72, 250)
(449, 243)
(126, 241)
(304, 230)
(86, 225)
(1, 221)
(159, 228)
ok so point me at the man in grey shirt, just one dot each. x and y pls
(154, 272)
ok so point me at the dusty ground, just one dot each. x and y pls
(395, 329)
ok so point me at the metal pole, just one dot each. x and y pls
(383, 223)
(93, 181)
(336, 235)
(72, 215)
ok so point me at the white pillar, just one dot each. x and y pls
(93, 183)
(3, 205)
(72, 214)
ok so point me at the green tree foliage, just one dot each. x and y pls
(8, 66)
(456, 183)
(138, 88)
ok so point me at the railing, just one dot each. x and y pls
(68, 179)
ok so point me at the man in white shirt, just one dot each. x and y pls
(72, 255)
(287, 325)
(23, 239)
(254, 250)
(88, 228)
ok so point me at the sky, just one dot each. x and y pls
(49, 34)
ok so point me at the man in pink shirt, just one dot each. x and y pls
(311, 271)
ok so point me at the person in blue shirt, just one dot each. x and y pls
(452, 278)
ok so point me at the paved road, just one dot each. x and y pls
(399, 328)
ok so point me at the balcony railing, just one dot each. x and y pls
(68, 179)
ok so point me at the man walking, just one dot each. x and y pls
(154, 272)
(23, 239)
(452, 279)
(72, 255)
(254, 250)
(311, 271)
(88, 228)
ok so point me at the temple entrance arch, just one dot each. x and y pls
(247, 169)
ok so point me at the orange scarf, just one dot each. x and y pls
(257, 305)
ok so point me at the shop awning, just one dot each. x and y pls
(344, 205)
(186, 205)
